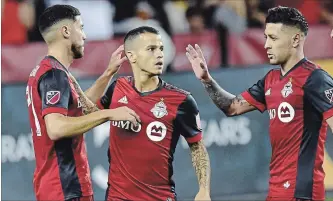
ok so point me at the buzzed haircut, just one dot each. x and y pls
(140, 30)
(288, 16)
(56, 13)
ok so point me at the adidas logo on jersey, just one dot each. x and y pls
(123, 100)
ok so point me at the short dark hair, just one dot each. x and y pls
(56, 13)
(288, 16)
(193, 11)
(140, 30)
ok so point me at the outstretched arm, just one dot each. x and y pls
(230, 104)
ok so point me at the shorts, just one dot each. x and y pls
(286, 199)
(85, 198)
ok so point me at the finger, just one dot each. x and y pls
(119, 50)
(189, 57)
(133, 121)
(192, 51)
(122, 60)
(131, 112)
(201, 55)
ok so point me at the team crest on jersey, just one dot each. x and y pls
(159, 110)
(329, 95)
(287, 89)
(52, 97)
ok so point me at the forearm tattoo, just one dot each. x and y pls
(220, 97)
(87, 105)
(201, 163)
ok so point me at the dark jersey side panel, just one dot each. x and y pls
(317, 103)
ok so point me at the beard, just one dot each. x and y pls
(76, 50)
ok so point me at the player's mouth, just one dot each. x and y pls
(159, 64)
(270, 56)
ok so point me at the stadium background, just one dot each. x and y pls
(231, 35)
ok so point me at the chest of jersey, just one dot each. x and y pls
(284, 98)
(157, 112)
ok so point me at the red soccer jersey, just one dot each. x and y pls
(298, 103)
(141, 157)
(62, 170)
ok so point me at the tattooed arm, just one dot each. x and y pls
(230, 104)
(201, 164)
(87, 105)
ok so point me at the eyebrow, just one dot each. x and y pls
(155, 46)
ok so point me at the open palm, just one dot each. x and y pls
(198, 62)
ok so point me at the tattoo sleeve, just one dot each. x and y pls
(222, 98)
(87, 105)
(201, 163)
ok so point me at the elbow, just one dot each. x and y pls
(54, 134)
(230, 113)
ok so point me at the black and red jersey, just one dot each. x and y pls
(141, 156)
(298, 104)
(62, 170)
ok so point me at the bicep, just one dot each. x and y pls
(240, 106)
(52, 123)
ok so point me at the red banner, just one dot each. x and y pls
(248, 49)
(17, 61)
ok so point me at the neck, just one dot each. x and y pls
(63, 55)
(291, 62)
(144, 82)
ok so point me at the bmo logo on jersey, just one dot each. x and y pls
(127, 125)
(156, 131)
(286, 112)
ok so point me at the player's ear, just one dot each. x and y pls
(65, 30)
(296, 40)
(131, 56)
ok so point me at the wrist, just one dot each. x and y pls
(207, 80)
(204, 189)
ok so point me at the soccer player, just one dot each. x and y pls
(299, 99)
(57, 125)
(141, 156)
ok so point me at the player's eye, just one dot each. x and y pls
(151, 49)
(162, 48)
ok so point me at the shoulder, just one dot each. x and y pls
(309, 66)
(124, 79)
(46, 66)
(175, 89)
(319, 76)
(273, 73)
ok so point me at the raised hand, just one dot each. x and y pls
(115, 61)
(198, 62)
